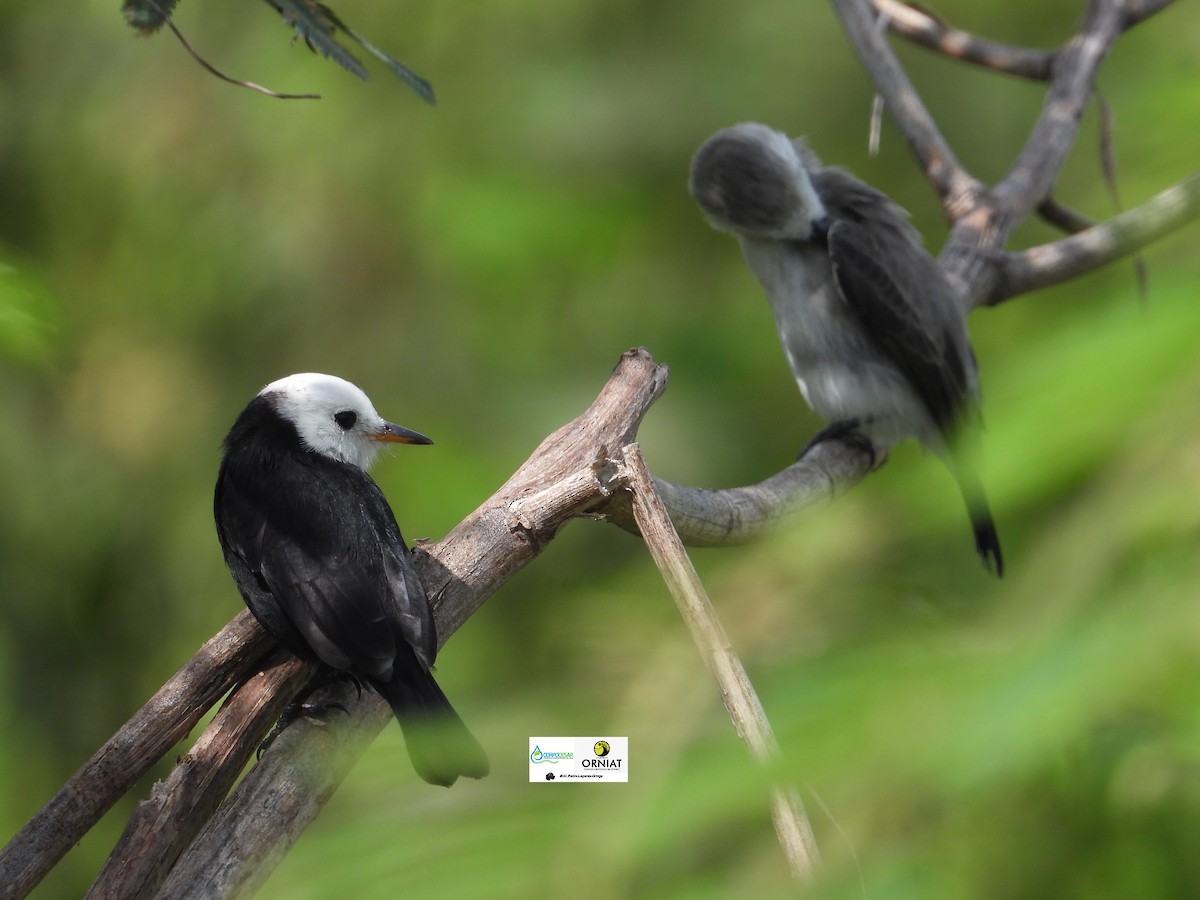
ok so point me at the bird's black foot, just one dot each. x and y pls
(299, 708)
(847, 432)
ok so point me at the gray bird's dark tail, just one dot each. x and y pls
(987, 542)
(439, 744)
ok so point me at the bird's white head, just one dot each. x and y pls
(753, 180)
(335, 418)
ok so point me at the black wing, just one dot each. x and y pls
(894, 306)
(318, 556)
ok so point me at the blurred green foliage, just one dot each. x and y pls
(169, 243)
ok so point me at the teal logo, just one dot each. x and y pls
(550, 756)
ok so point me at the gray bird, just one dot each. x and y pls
(871, 326)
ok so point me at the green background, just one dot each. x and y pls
(169, 244)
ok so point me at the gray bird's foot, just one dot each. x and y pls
(299, 708)
(847, 432)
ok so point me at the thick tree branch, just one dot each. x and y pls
(1125, 234)
(164, 825)
(141, 742)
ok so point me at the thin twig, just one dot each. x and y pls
(1063, 217)
(215, 71)
(741, 702)
(1108, 165)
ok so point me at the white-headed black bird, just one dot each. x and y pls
(870, 324)
(316, 552)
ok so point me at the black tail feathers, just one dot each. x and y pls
(987, 542)
(439, 744)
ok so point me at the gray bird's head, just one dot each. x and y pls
(334, 418)
(752, 180)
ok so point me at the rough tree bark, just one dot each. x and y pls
(582, 470)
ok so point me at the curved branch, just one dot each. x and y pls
(1120, 236)
(956, 188)
(923, 28)
(724, 517)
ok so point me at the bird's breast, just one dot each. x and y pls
(841, 373)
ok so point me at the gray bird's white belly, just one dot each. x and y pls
(840, 372)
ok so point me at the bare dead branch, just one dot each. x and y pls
(738, 694)
(954, 185)
(164, 825)
(1137, 11)
(488, 547)
(970, 254)
(720, 518)
(1041, 159)
(1060, 261)
(923, 28)
(141, 742)
(239, 847)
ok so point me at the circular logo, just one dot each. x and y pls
(601, 748)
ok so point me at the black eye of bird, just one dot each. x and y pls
(345, 419)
